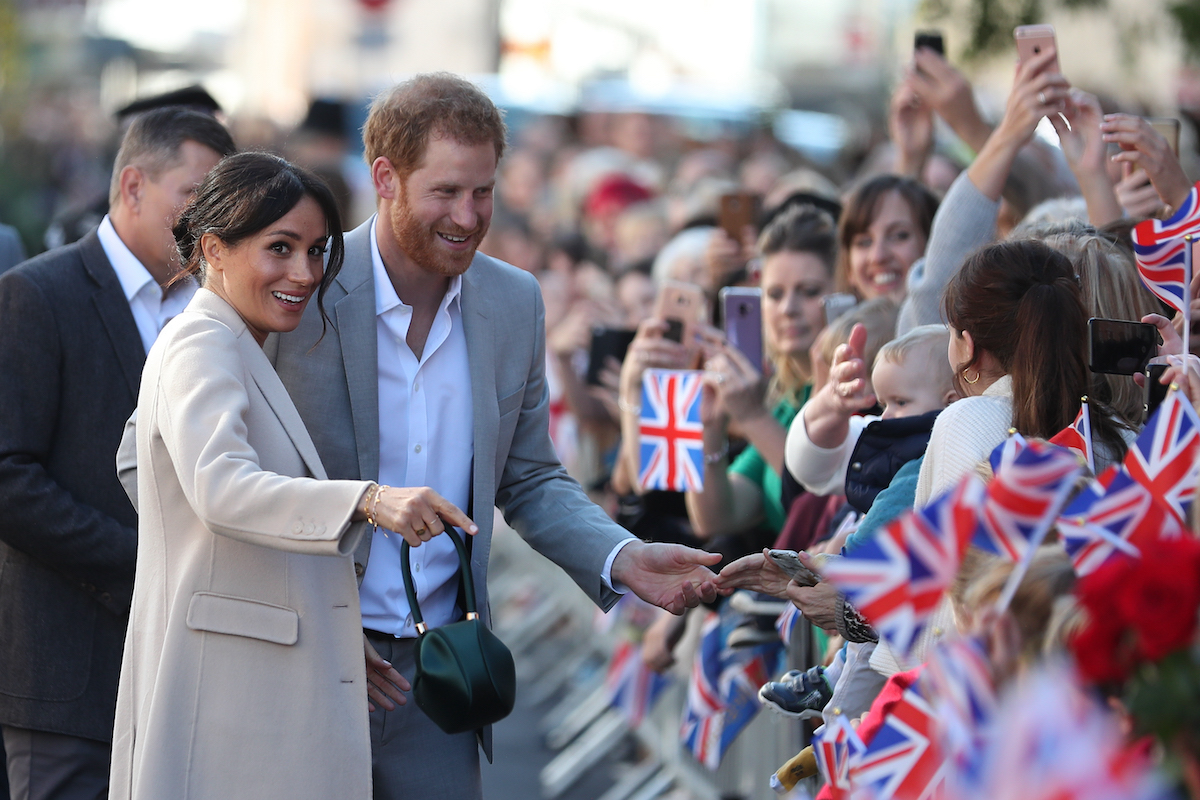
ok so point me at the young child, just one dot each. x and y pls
(877, 461)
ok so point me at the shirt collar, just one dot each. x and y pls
(130, 272)
(385, 293)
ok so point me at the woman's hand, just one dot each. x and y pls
(385, 686)
(910, 124)
(756, 572)
(1035, 93)
(1144, 147)
(817, 603)
(1174, 375)
(944, 89)
(826, 418)
(739, 389)
(649, 350)
(1136, 194)
(416, 513)
(1086, 153)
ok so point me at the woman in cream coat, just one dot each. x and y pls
(244, 672)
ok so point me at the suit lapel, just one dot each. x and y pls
(113, 308)
(356, 328)
(481, 360)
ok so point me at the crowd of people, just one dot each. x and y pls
(231, 435)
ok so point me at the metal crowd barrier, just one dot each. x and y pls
(549, 624)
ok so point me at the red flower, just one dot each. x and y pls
(1160, 596)
(1101, 654)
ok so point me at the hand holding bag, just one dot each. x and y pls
(465, 678)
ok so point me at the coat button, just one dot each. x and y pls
(358, 570)
(320, 529)
(298, 528)
(308, 529)
(856, 466)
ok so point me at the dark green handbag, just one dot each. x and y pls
(465, 677)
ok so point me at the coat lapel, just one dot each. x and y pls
(113, 309)
(356, 328)
(481, 359)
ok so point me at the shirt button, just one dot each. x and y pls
(416, 387)
(408, 620)
(416, 567)
(417, 449)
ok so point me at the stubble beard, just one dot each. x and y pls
(419, 243)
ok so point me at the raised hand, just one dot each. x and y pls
(670, 576)
(1144, 147)
(910, 124)
(944, 89)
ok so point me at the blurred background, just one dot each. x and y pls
(804, 80)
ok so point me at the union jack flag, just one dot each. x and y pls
(1023, 499)
(1006, 451)
(1110, 515)
(723, 692)
(1160, 251)
(672, 446)
(786, 623)
(896, 579)
(700, 729)
(835, 746)
(1078, 436)
(1163, 459)
(903, 760)
(958, 679)
(633, 687)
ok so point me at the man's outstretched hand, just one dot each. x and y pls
(669, 576)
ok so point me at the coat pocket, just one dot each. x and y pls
(238, 616)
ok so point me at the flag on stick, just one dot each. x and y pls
(1078, 435)
(1164, 457)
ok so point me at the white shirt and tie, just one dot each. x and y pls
(426, 438)
(151, 308)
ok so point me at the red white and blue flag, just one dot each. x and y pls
(896, 579)
(700, 729)
(1164, 457)
(1160, 250)
(723, 692)
(1078, 436)
(786, 623)
(1006, 451)
(633, 687)
(958, 681)
(835, 746)
(671, 453)
(1023, 499)
(903, 761)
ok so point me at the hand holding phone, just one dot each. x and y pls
(741, 308)
(682, 307)
(930, 40)
(1120, 347)
(1033, 40)
(738, 211)
(789, 562)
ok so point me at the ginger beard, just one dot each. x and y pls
(423, 245)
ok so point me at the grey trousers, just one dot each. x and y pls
(52, 766)
(411, 757)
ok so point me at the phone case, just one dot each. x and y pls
(1032, 40)
(742, 310)
(789, 562)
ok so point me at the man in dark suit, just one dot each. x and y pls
(75, 325)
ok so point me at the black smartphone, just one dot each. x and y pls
(1155, 391)
(932, 40)
(1119, 347)
(606, 342)
(741, 310)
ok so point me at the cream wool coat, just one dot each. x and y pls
(243, 673)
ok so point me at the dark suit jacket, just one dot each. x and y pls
(71, 361)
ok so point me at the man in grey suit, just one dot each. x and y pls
(431, 378)
(75, 325)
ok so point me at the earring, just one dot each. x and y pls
(969, 380)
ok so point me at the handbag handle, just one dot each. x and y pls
(464, 564)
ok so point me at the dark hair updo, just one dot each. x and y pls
(243, 195)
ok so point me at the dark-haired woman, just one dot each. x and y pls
(243, 672)
(882, 232)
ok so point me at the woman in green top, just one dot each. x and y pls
(798, 251)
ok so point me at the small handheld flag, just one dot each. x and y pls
(671, 451)
(1078, 435)
(1164, 457)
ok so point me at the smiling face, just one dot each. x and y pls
(792, 287)
(881, 255)
(444, 207)
(269, 277)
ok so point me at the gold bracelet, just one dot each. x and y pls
(370, 494)
(375, 506)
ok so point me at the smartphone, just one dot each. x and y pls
(1155, 392)
(837, 304)
(682, 306)
(789, 562)
(932, 40)
(1118, 347)
(606, 342)
(741, 311)
(1168, 128)
(1034, 39)
(738, 210)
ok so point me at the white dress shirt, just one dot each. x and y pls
(426, 438)
(151, 310)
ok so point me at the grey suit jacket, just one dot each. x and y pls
(335, 384)
(71, 359)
